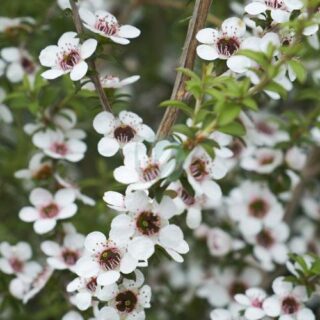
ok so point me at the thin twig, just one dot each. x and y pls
(94, 77)
(199, 17)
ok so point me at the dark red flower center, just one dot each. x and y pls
(60, 148)
(124, 134)
(126, 301)
(265, 239)
(16, 264)
(92, 284)
(258, 208)
(264, 128)
(151, 172)
(266, 159)
(198, 169)
(290, 305)
(187, 198)
(275, 4)
(50, 211)
(28, 65)
(70, 59)
(228, 46)
(108, 28)
(43, 173)
(110, 258)
(237, 287)
(148, 223)
(70, 257)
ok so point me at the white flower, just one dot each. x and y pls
(58, 145)
(193, 204)
(311, 205)
(15, 258)
(106, 25)
(221, 287)
(219, 242)
(47, 209)
(19, 63)
(221, 44)
(280, 9)
(287, 302)
(88, 4)
(264, 130)
(38, 169)
(72, 315)
(26, 290)
(252, 300)
(104, 259)
(269, 245)
(202, 170)
(65, 256)
(8, 25)
(142, 170)
(86, 289)
(296, 158)
(63, 119)
(67, 57)
(119, 131)
(146, 225)
(128, 300)
(221, 314)
(254, 206)
(79, 195)
(113, 82)
(5, 112)
(261, 160)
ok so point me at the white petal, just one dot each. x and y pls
(108, 277)
(48, 56)
(130, 32)
(94, 240)
(88, 48)
(108, 313)
(40, 197)
(207, 52)
(125, 175)
(207, 35)
(108, 147)
(104, 122)
(255, 8)
(50, 248)
(128, 264)
(141, 248)
(44, 226)
(28, 214)
(79, 71)
(272, 306)
(15, 72)
(65, 197)
(52, 74)
(11, 54)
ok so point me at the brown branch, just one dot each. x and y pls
(95, 77)
(199, 17)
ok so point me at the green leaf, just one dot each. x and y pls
(278, 88)
(250, 103)
(259, 57)
(189, 73)
(179, 105)
(209, 149)
(235, 129)
(228, 114)
(299, 70)
(184, 129)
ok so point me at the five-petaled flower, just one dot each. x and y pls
(67, 57)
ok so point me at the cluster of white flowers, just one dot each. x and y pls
(250, 217)
(286, 302)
